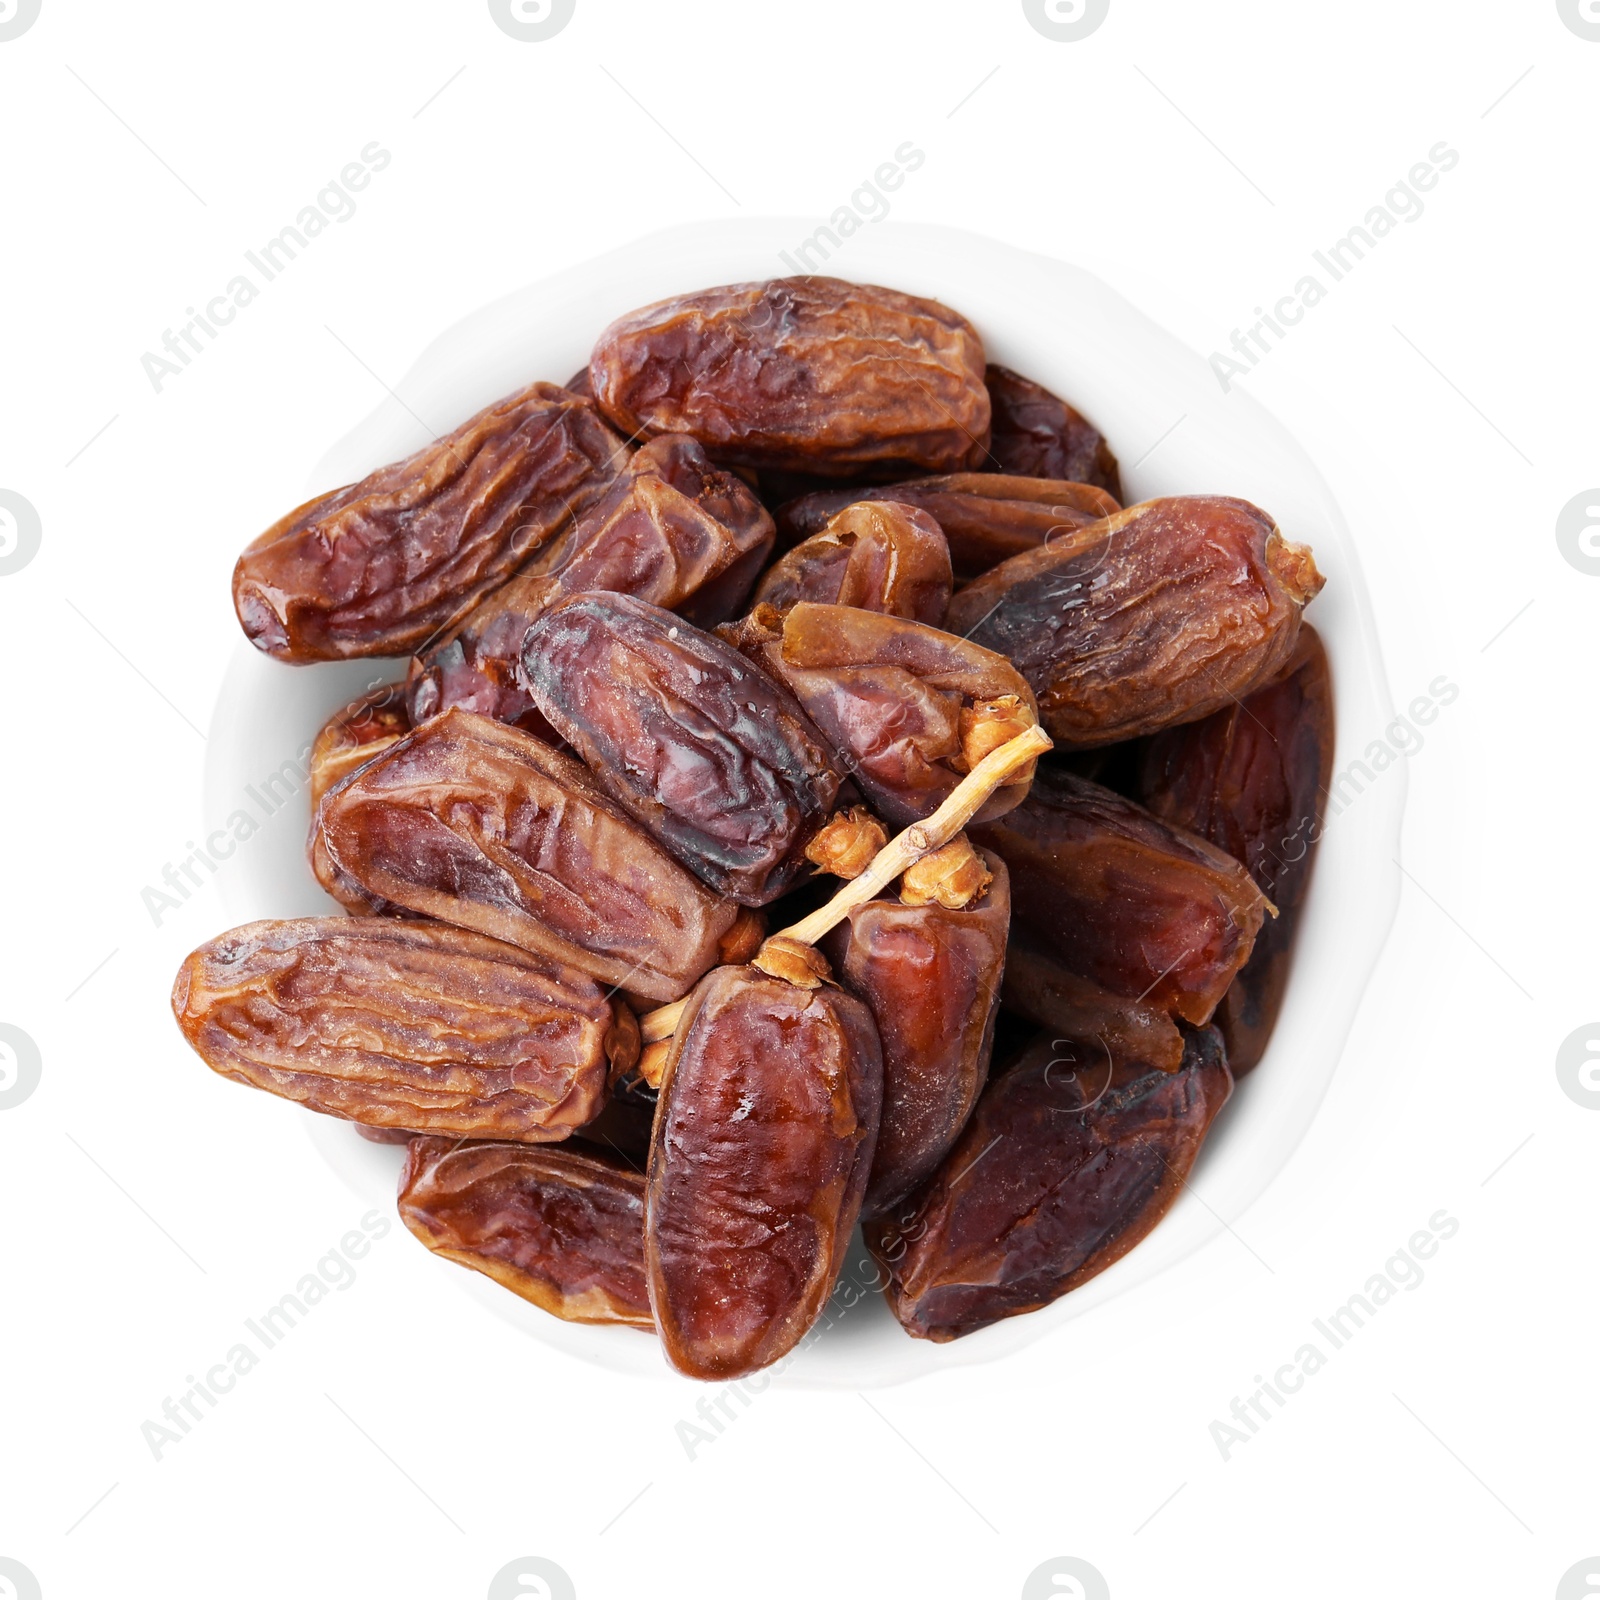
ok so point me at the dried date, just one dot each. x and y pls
(352, 737)
(1038, 435)
(930, 975)
(1066, 1165)
(712, 756)
(877, 555)
(380, 566)
(763, 1141)
(910, 709)
(478, 824)
(405, 1025)
(1253, 779)
(560, 1227)
(810, 374)
(1117, 896)
(986, 517)
(1157, 616)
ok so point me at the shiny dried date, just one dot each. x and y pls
(1038, 435)
(909, 709)
(1253, 779)
(1067, 1163)
(673, 530)
(381, 566)
(986, 517)
(353, 736)
(405, 1025)
(877, 555)
(1117, 896)
(712, 756)
(478, 824)
(1157, 616)
(560, 1227)
(931, 978)
(769, 1109)
(811, 374)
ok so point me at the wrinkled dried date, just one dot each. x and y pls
(877, 555)
(909, 708)
(560, 1227)
(1159, 615)
(1070, 1159)
(986, 517)
(712, 756)
(931, 978)
(811, 374)
(1038, 435)
(405, 1025)
(379, 567)
(1254, 780)
(479, 824)
(673, 530)
(1121, 898)
(763, 1142)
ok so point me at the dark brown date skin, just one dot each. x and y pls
(1117, 896)
(876, 555)
(769, 1110)
(350, 738)
(1037, 986)
(478, 824)
(673, 530)
(1038, 435)
(1157, 616)
(1070, 1159)
(931, 978)
(714, 758)
(405, 1025)
(560, 1227)
(1254, 781)
(889, 694)
(381, 566)
(810, 374)
(987, 517)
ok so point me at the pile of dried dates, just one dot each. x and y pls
(814, 798)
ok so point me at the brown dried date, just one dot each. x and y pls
(352, 737)
(1253, 779)
(1038, 435)
(986, 517)
(560, 1227)
(379, 567)
(910, 709)
(812, 374)
(1117, 896)
(484, 826)
(1062, 1170)
(930, 976)
(1159, 615)
(879, 556)
(763, 1142)
(405, 1025)
(673, 530)
(712, 756)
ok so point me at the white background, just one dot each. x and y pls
(401, 1442)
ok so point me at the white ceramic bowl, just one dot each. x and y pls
(1073, 333)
